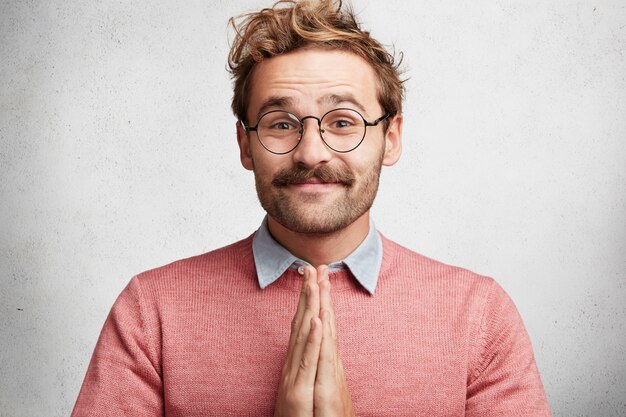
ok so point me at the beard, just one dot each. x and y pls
(311, 213)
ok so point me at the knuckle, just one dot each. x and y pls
(325, 392)
(304, 363)
(294, 324)
(300, 337)
(328, 361)
(294, 397)
(290, 399)
(285, 380)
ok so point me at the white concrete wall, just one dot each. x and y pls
(118, 154)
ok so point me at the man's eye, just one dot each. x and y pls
(342, 124)
(282, 126)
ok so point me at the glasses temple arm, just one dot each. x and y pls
(248, 128)
(375, 122)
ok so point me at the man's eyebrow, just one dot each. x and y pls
(283, 102)
(275, 101)
(342, 98)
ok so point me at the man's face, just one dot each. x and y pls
(314, 189)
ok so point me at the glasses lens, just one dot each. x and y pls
(343, 129)
(279, 131)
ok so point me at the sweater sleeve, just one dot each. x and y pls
(504, 380)
(124, 377)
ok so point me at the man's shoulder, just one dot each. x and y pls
(232, 259)
(407, 264)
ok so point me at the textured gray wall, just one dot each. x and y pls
(118, 154)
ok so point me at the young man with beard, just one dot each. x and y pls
(315, 314)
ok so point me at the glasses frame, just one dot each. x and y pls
(319, 128)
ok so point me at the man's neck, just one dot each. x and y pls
(321, 248)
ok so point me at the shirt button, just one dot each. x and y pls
(301, 270)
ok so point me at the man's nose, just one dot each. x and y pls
(312, 150)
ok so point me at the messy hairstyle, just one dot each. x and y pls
(290, 25)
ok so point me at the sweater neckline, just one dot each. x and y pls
(341, 280)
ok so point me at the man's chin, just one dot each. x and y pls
(311, 222)
(315, 228)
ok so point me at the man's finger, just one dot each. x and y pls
(327, 362)
(311, 310)
(326, 303)
(297, 318)
(322, 272)
(307, 369)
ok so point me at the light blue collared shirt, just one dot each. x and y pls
(272, 259)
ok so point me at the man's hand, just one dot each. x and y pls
(332, 398)
(297, 382)
(312, 380)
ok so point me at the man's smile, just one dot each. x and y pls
(315, 184)
(315, 180)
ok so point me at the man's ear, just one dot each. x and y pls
(245, 153)
(393, 141)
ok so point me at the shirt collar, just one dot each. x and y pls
(272, 259)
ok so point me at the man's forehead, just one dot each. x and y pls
(290, 103)
(320, 76)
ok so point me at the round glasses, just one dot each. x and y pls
(342, 130)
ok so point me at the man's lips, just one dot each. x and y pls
(315, 181)
(315, 185)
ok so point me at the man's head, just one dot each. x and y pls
(291, 25)
(308, 59)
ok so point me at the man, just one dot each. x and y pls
(316, 314)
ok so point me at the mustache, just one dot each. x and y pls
(300, 174)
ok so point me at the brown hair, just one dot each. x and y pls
(293, 24)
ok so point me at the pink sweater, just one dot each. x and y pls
(199, 337)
